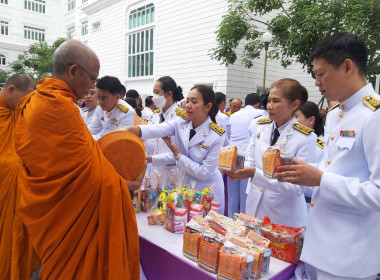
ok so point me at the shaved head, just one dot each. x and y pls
(15, 88)
(72, 51)
(21, 81)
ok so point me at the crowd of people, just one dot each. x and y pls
(72, 213)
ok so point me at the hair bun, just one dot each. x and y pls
(179, 88)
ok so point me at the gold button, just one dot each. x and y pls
(332, 137)
(288, 130)
(312, 203)
(187, 174)
(343, 107)
(341, 115)
(328, 161)
(261, 189)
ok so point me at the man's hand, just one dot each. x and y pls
(149, 159)
(300, 173)
(169, 142)
(133, 129)
(241, 173)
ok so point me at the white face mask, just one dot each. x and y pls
(159, 100)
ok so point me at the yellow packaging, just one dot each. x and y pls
(229, 160)
(191, 237)
(136, 200)
(231, 266)
(208, 253)
(271, 160)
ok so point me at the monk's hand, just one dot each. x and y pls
(241, 173)
(299, 173)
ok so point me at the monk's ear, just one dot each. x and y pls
(71, 71)
(11, 88)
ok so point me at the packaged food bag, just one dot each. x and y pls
(209, 246)
(191, 237)
(275, 156)
(285, 242)
(230, 159)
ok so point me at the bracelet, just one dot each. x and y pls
(177, 156)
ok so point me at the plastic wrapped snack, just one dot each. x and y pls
(235, 261)
(230, 158)
(250, 222)
(209, 246)
(285, 242)
(191, 237)
(273, 157)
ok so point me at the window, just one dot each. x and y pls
(96, 26)
(3, 27)
(4, 1)
(84, 30)
(2, 59)
(70, 5)
(140, 43)
(70, 32)
(35, 5)
(34, 33)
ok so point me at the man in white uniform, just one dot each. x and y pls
(238, 124)
(91, 104)
(342, 236)
(113, 112)
(147, 112)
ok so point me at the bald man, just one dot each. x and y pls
(76, 208)
(17, 257)
(235, 106)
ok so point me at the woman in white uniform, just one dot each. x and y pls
(282, 203)
(308, 115)
(195, 143)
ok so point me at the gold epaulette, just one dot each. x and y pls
(217, 128)
(320, 143)
(85, 110)
(304, 129)
(181, 113)
(335, 106)
(157, 111)
(122, 108)
(372, 102)
(145, 120)
(226, 113)
(264, 121)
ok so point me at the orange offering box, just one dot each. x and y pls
(229, 159)
(271, 160)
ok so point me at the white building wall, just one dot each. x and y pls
(17, 16)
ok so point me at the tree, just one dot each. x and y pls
(37, 61)
(297, 26)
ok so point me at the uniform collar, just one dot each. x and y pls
(285, 125)
(170, 111)
(356, 97)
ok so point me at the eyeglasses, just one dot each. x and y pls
(102, 98)
(89, 74)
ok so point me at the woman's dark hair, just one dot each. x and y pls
(310, 109)
(292, 90)
(168, 84)
(208, 96)
(131, 101)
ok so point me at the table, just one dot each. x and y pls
(161, 257)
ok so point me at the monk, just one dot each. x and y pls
(76, 208)
(17, 257)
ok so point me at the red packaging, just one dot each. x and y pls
(195, 209)
(206, 202)
(143, 201)
(285, 242)
(175, 219)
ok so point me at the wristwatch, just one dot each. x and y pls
(177, 156)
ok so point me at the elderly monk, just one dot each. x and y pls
(76, 208)
(17, 257)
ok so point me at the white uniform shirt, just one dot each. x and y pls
(104, 121)
(87, 115)
(223, 121)
(342, 236)
(147, 113)
(283, 203)
(160, 147)
(199, 159)
(239, 123)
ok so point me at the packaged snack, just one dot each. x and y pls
(258, 239)
(234, 260)
(235, 228)
(285, 242)
(175, 218)
(271, 160)
(258, 256)
(209, 246)
(196, 210)
(191, 237)
(155, 217)
(136, 200)
(215, 205)
(230, 159)
(250, 222)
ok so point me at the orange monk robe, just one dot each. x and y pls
(77, 209)
(17, 257)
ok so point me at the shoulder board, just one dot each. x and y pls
(226, 114)
(181, 113)
(304, 129)
(217, 128)
(320, 143)
(372, 101)
(85, 110)
(264, 121)
(157, 111)
(335, 106)
(122, 108)
(145, 120)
